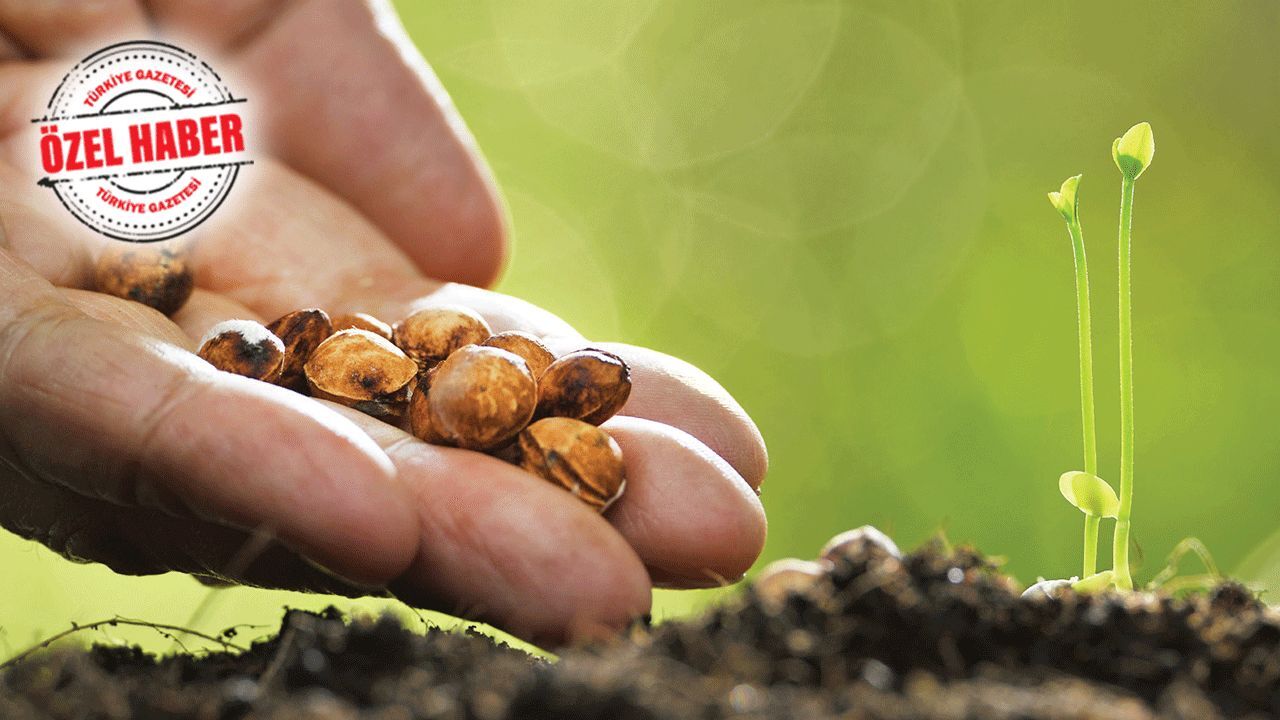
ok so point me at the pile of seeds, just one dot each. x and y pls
(440, 373)
(443, 375)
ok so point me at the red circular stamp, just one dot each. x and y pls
(142, 141)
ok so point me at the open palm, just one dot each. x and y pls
(120, 446)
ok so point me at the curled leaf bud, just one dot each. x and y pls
(243, 347)
(1065, 200)
(1133, 151)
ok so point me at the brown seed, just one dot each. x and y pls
(301, 331)
(361, 321)
(535, 354)
(420, 412)
(431, 334)
(589, 385)
(479, 398)
(161, 279)
(361, 370)
(243, 347)
(855, 542)
(783, 578)
(578, 457)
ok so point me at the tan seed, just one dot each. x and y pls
(578, 457)
(479, 398)
(301, 331)
(535, 354)
(361, 370)
(430, 335)
(243, 347)
(361, 321)
(588, 385)
(161, 279)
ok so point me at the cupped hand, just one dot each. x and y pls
(120, 446)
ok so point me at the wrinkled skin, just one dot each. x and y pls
(119, 445)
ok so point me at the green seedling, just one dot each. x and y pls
(1067, 202)
(1132, 153)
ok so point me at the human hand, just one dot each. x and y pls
(121, 446)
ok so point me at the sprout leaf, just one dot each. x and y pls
(1090, 493)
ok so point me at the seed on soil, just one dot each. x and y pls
(577, 456)
(535, 354)
(781, 579)
(161, 279)
(431, 334)
(859, 541)
(587, 385)
(301, 331)
(244, 347)
(478, 398)
(362, 321)
(361, 370)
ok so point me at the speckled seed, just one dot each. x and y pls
(535, 354)
(361, 321)
(420, 411)
(579, 457)
(301, 331)
(855, 542)
(588, 385)
(431, 334)
(479, 398)
(361, 370)
(161, 279)
(243, 347)
(783, 578)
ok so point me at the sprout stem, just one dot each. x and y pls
(1084, 322)
(1091, 523)
(1120, 544)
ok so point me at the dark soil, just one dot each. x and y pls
(936, 635)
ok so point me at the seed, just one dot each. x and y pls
(420, 411)
(578, 457)
(361, 321)
(588, 385)
(161, 279)
(301, 331)
(243, 347)
(361, 370)
(430, 335)
(479, 398)
(852, 543)
(535, 354)
(783, 578)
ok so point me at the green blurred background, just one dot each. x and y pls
(838, 209)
